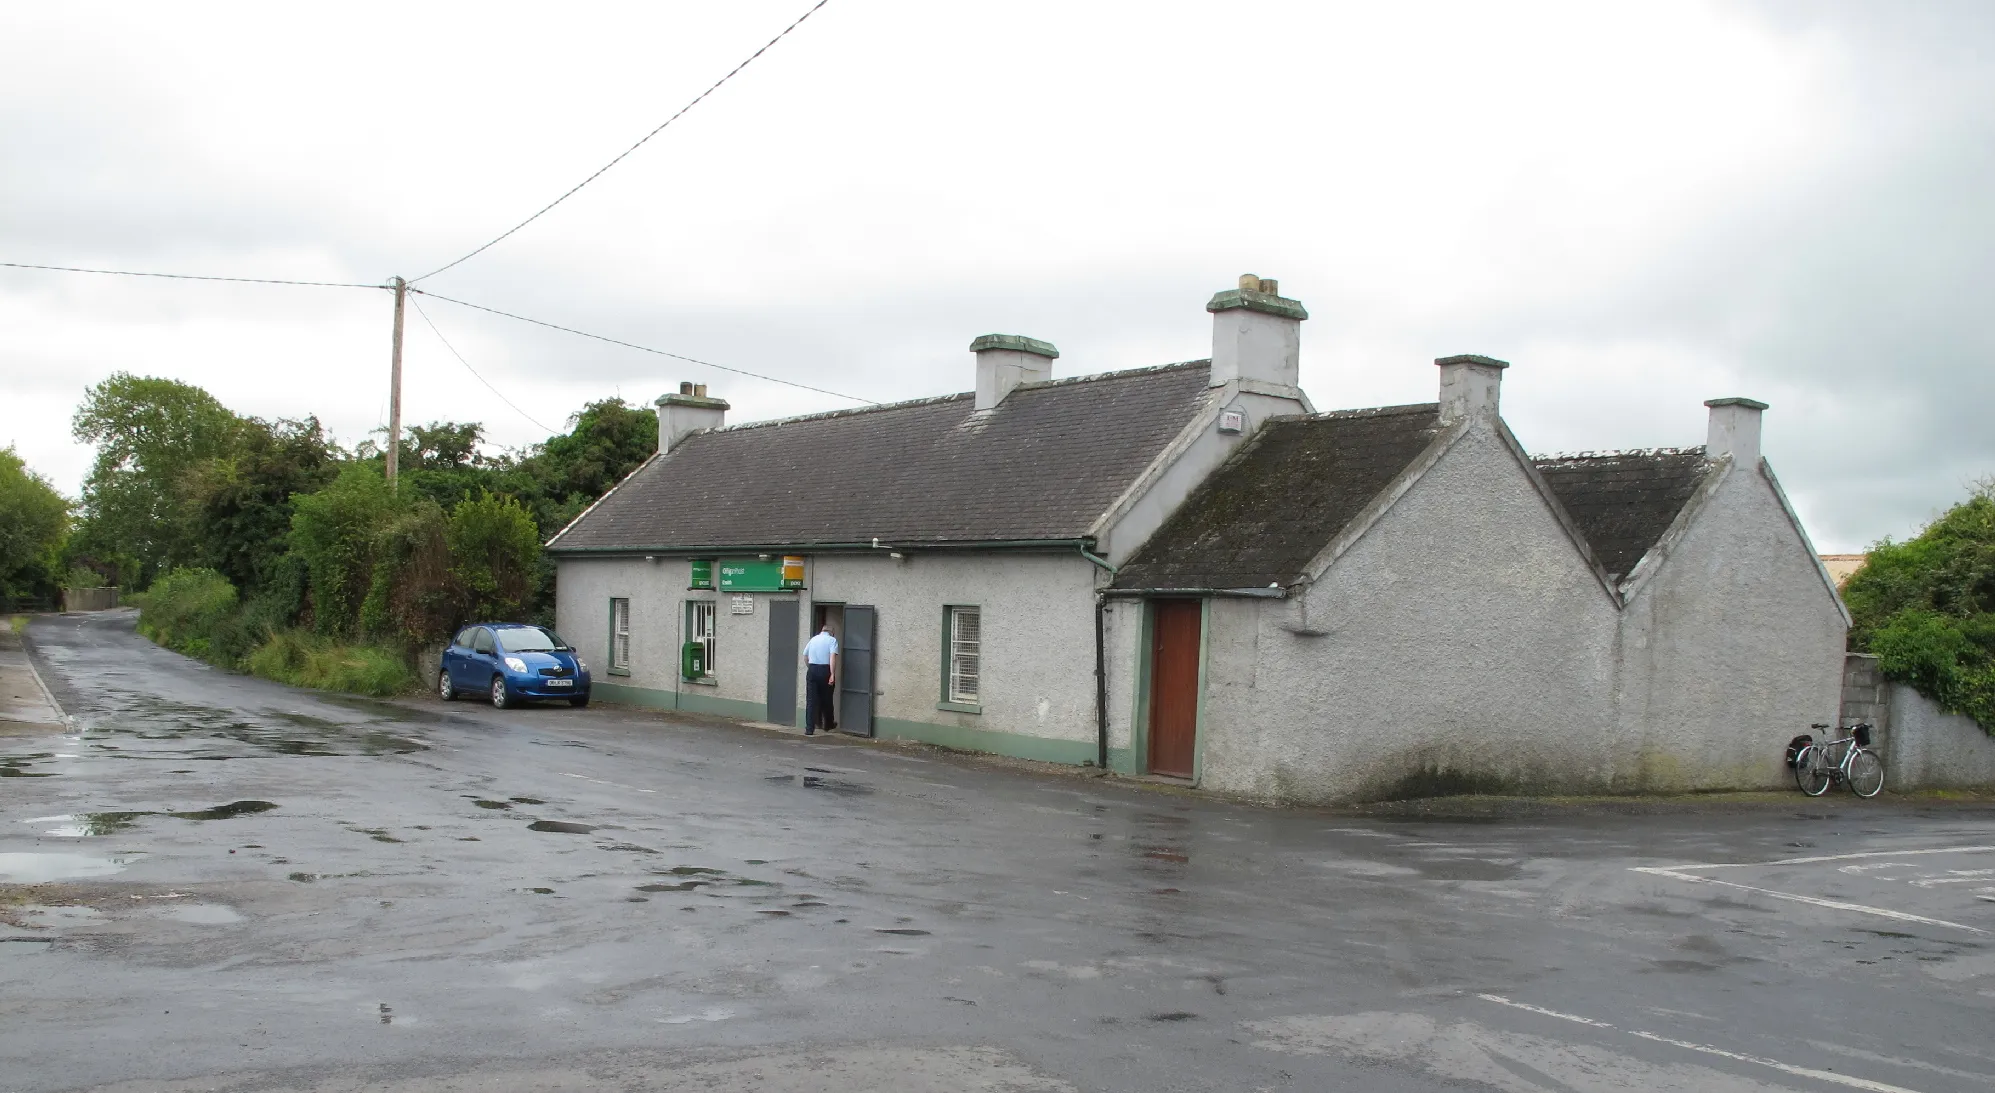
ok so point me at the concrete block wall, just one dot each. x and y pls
(1923, 746)
(1866, 694)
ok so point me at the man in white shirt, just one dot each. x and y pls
(820, 672)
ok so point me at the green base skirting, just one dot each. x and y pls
(689, 701)
(1075, 753)
(1040, 748)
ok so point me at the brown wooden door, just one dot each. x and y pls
(1174, 630)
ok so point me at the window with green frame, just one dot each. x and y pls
(620, 636)
(962, 643)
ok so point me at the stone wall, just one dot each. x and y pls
(89, 599)
(1923, 746)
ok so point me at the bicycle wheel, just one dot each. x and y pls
(1811, 771)
(1866, 774)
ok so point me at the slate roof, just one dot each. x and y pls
(1046, 463)
(1280, 499)
(1623, 502)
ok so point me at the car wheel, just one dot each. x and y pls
(499, 697)
(578, 701)
(444, 688)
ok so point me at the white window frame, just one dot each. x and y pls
(620, 635)
(962, 674)
(707, 612)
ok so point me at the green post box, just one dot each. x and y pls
(693, 660)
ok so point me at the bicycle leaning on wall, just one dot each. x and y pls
(1847, 759)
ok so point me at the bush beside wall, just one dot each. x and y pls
(197, 612)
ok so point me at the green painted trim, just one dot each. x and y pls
(1019, 342)
(1198, 709)
(942, 684)
(1235, 299)
(1073, 753)
(1076, 753)
(700, 401)
(610, 645)
(1139, 719)
(635, 696)
(1477, 358)
(680, 700)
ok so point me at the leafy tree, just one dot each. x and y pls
(334, 534)
(1926, 608)
(149, 434)
(243, 501)
(606, 441)
(34, 522)
(494, 555)
(414, 596)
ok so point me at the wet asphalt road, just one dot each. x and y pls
(452, 897)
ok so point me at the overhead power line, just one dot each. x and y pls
(626, 152)
(642, 348)
(193, 276)
(474, 371)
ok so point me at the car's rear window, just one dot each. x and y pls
(530, 639)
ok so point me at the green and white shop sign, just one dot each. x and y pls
(755, 574)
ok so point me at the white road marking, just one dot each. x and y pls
(1817, 901)
(1844, 857)
(601, 782)
(1956, 876)
(1785, 1068)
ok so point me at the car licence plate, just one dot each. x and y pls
(560, 683)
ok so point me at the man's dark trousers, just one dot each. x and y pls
(817, 698)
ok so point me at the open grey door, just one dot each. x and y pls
(783, 662)
(855, 671)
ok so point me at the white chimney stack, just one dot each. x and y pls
(1734, 429)
(688, 412)
(1471, 385)
(1006, 360)
(1256, 334)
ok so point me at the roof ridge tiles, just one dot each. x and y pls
(932, 400)
(1621, 453)
(1378, 411)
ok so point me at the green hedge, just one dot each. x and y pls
(196, 612)
(1926, 608)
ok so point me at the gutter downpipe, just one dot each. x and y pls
(1100, 664)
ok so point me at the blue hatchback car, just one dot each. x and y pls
(510, 661)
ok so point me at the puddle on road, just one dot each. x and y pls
(526, 800)
(490, 804)
(91, 824)
(182, 731)
(203, 914)
(226, 812)
(39, 867)
(814, 781)
(12, 766)
(562, 826)
(87, 824)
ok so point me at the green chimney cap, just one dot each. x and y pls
(1472, 358)
(1750, 404)
(1236, 299)
(1019, 342)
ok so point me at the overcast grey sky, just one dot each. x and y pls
(1639, 206)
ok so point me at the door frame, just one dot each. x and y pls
(1146, 652)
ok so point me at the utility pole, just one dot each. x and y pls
(395, 385)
